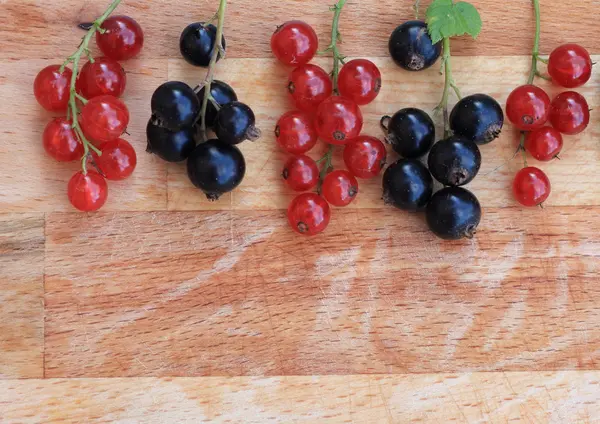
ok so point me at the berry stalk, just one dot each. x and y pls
(338, 60)
(75, 58)
(448, 84)
(217, 50)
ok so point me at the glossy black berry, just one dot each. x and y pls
(411, 46)
(172, 146)
(453, 213)
(407, 185)
(222, 94)
(410, 131)
(478, 118)
(236, 123)
(197, 43)
(454, 161)
(176, 105)
(216, 168)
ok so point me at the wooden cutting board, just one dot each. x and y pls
(167, 308)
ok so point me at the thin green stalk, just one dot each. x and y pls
(75, 59)
(217, 50)
(416, 8)
(448, 84)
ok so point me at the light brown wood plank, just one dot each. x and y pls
(195, 294)
(366, 26)
(493, 398)
(21, 296)
(32, 181)
(262, 83)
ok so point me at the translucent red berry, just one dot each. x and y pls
(104, 118)
(89, 192)
(531, 186)
(301, 173)
(570, 65)
(544, 144)
(338, 120)
(570, 113)
(103, 76)
(296, 132)
(309, 85)
(339, 188)
(365, 156)
(60, 141)
(528, 107)
(52, 88)
(122, 38)
(118, 159)
(309, 214)
(294, 43)
(360, 81)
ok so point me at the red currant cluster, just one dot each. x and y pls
(92, 134)
(529, 108)
(327, 108)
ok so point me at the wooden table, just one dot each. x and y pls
(167, 308)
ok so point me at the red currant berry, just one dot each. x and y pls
(360, 81)
(104, 118)
(309, 86)
(104, 76)
(294, 43)
(309, 214)
(570, 65)
(60, 141)
(88, 193)
(339, 188)
(52, 88)
(570, 113)
(122, 39)
(118, 159)
(301, 173)
(296, 133)
(365, 156)
(544, 144)
(531, 187)
(528, 107)
(338, 120)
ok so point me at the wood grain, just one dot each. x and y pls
(33, 29)
(492, 398)
(21, 296)
(237, 293)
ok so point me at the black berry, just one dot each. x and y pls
(410, 131)
(172, 146)
(453, 213)
(223, 94)
(175, 105)
(236, 123)
(197, 43)
(478, 118)
(407, 185)
(454, 161)
(411, 46)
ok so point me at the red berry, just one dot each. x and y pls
(104, 118)
(294, 43)
(104, 76)
(309, 214)
(301, 173)
(61, 142)
(531, 186)
(338, 120)
(118, 159)
(360, 81)
(528, 107)
(570, 113)
(309, 85)
(122, 39)
(570, 65)
(365, 156)
(296, 132)
(339, 188)
(544, 144)
(52, 89)
(89, 192)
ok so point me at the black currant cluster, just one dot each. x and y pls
(176, 132)
(453, 212)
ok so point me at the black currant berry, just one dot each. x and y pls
(454, 161)
(411, 46)
(197, 43)
(216, 168)
(407, 185)
(236, 123)
(453, 213)
(172, 146)
(410, 131)
(223, 94)
(175, 105)
(478, 118)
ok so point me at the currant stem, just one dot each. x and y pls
(75, 59)
(327, 158)
(448, 84)
(416, 8)
(338, 59)
(217, 50)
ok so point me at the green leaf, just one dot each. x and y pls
(448, 19)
